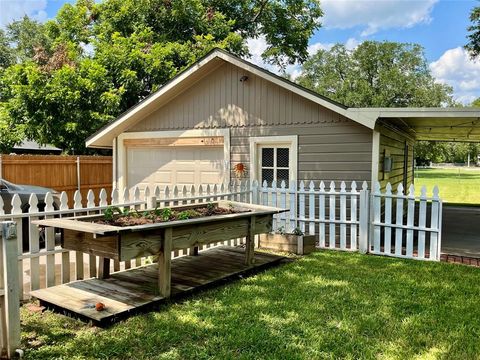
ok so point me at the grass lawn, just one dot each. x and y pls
(328, 305)
(456, 185)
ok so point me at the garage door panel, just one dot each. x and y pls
(180, 166)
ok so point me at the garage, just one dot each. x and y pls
(175, 166)
(184, 159)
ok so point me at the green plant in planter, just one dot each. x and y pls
(110, 212)
(297, 231)
(166, 214)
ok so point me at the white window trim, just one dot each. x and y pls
(121, 152)
(289, 140)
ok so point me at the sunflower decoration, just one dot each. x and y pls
(240, 169)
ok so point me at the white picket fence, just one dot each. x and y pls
(417, 238)
(333, 214)
(46, 264)
(349, 219)
(343, 217)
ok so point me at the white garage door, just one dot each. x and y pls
(175, 166)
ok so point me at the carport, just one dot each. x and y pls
(460, 225)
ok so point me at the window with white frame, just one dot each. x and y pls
(274, 164)
(274, 158)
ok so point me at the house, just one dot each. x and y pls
(32, 147)
(225, 118)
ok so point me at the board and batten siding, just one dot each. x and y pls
(395, 142)
(330, 146)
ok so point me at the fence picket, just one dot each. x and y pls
(410, 219)
(422, 220)
(301, 203)
(332, 209)
(34, 243)
(353, 216)
(283, 204)
(79, 262)
(387, 235)
(435, 224)
(343, 215)
(311, 208)
(377, 201)
(364, 215)
(399, 221)
(49, 243)
(114, 196)
(321, 213)
(293, 205)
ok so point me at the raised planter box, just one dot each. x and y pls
(129, 242)
(297, 244)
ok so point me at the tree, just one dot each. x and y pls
(375, 74)
(95, 60)
(473, 45)
(26, 35)
(6, 52)
(475, 103)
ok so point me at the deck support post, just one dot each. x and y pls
(250, 242)
(104, 268)
(164, 264)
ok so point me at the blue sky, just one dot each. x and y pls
(438, 25)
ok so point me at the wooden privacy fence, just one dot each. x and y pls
(60, 173)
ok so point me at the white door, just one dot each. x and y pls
(175, 166)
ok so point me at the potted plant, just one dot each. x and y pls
(295, 241)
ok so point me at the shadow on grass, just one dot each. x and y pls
(444, 174)
(326, 305)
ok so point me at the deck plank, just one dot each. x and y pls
(134, 289)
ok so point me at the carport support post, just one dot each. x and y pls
(364, 221)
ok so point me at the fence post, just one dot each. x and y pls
(364, 219)
(78, 174)
(10, 304)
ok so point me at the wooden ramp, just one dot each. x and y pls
(133, 290)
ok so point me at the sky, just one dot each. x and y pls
(438, 25)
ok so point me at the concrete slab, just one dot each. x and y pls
(461, 231)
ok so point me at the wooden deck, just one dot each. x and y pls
(134, 290)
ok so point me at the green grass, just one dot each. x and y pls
(328, 305)
(456, 185)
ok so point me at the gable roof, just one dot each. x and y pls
(104, 137)
(429, 117)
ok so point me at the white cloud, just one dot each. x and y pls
(15, 9)
(375, 15)
(456, 69)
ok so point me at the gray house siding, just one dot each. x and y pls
(330, 146)
(397, 144)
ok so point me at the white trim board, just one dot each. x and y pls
(121, 153)
(290, 140)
